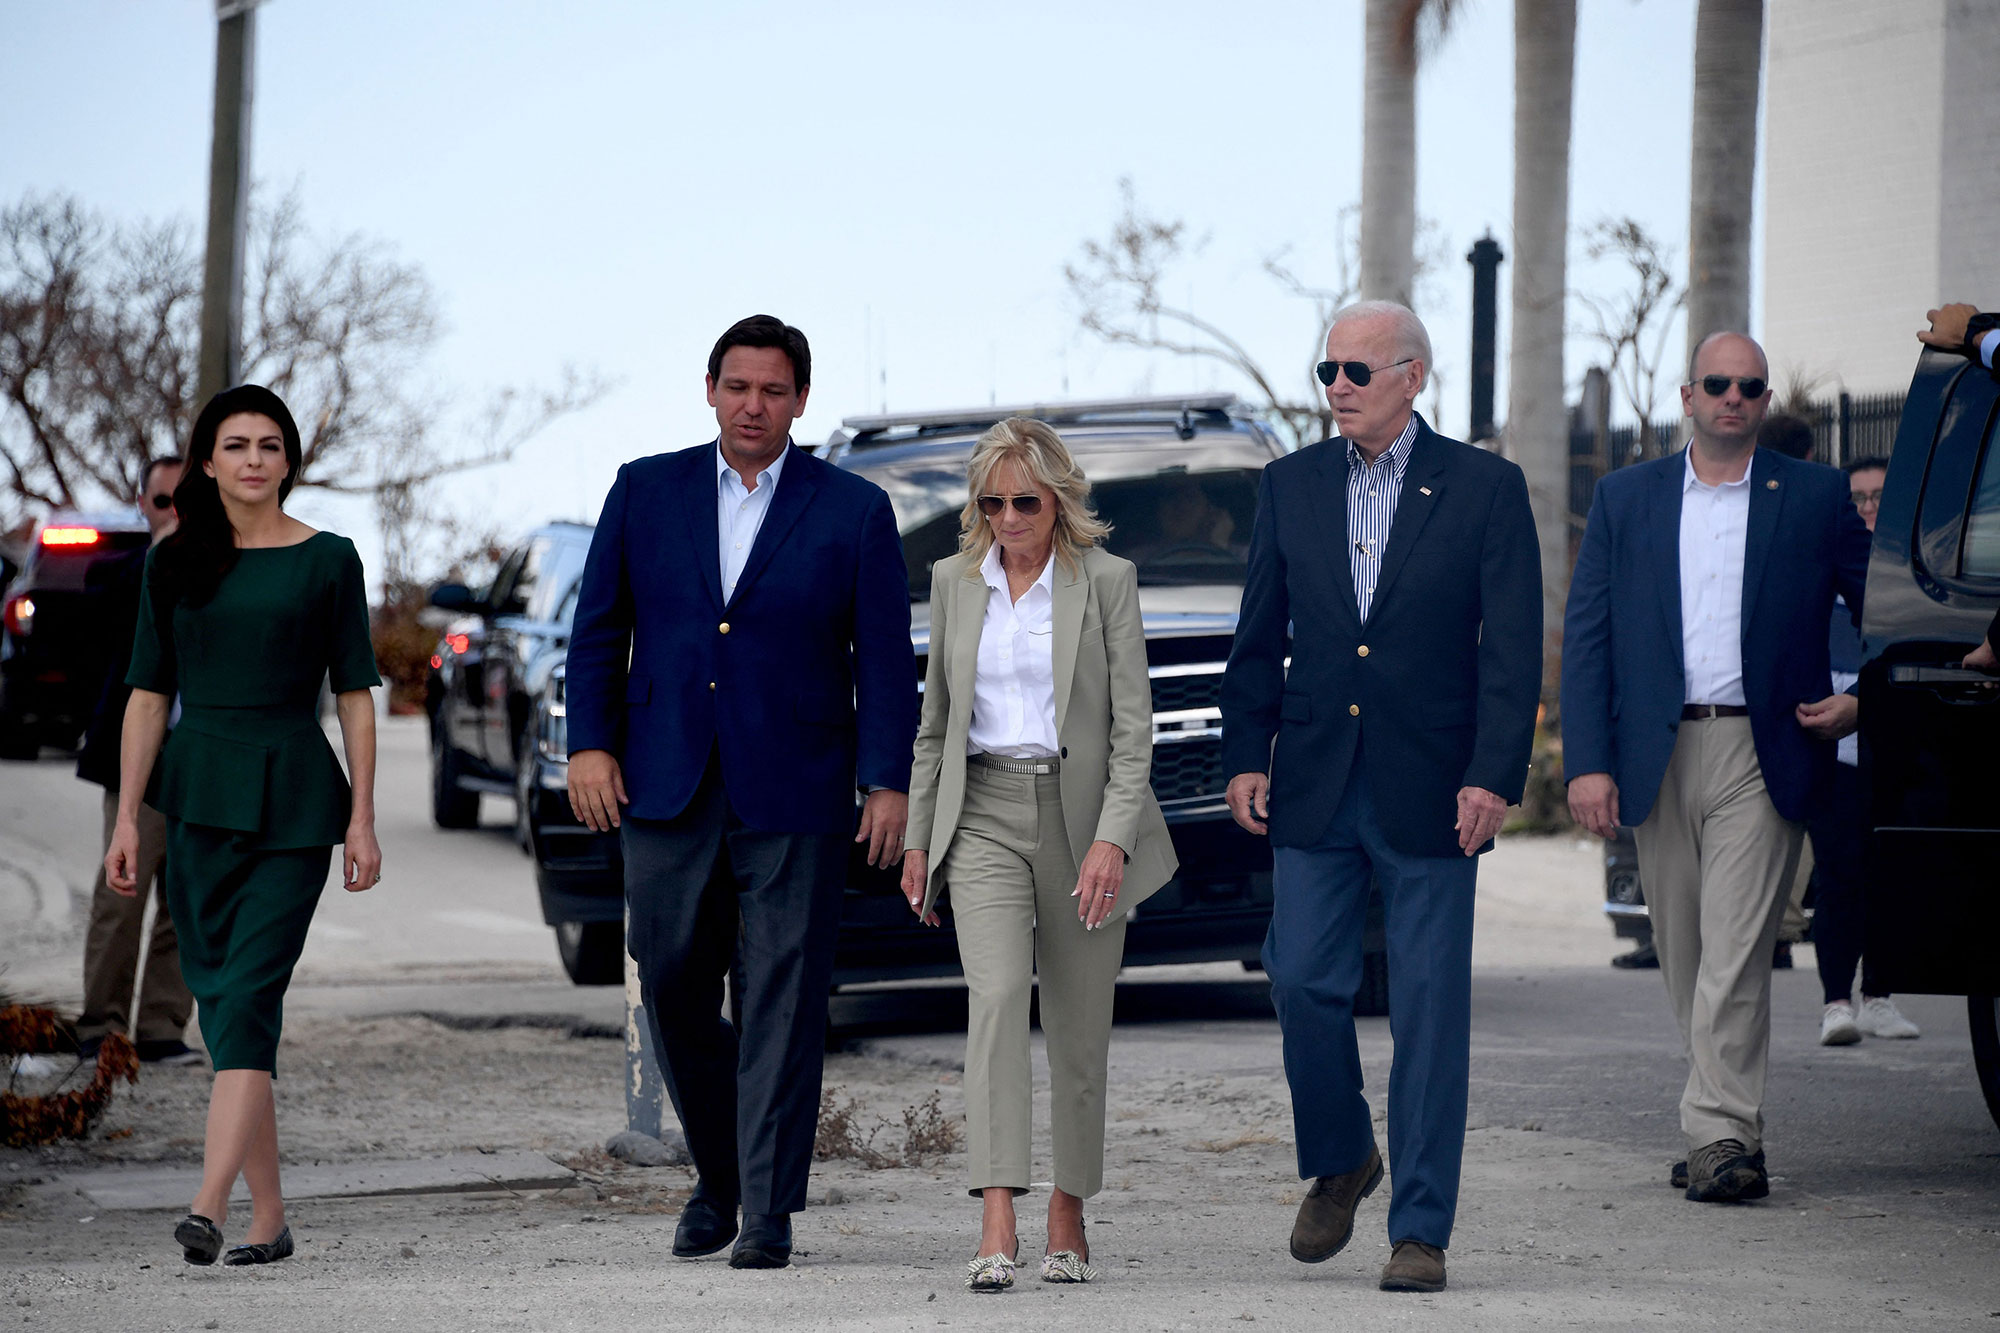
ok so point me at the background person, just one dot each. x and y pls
(1400, 573)
(245, 612)
(1839, 831)
(1030, 783)
(113, 992)
(740, 661)
(1722, 741)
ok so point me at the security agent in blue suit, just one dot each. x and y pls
(1696, 708)
(740, 663)
(1400, 573)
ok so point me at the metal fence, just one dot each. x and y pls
(1850, 426)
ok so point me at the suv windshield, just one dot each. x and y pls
(1179, 524)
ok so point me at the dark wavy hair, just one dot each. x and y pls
(191, 563)
(766, 331)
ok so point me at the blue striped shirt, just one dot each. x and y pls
(1372, 492)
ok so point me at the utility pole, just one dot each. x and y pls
(228, 199)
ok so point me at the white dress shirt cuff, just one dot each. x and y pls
(1988, 345)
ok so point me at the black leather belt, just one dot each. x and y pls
(1703, 712)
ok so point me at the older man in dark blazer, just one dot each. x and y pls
(1400, 572)
(740, 665)
(1696, 708)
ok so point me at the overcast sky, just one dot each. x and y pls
(612, 184)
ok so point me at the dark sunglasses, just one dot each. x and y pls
(164, 500)
(1358, 372)
(1717, 385)
(1027, 506)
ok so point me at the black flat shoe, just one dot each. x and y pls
(200, 1239)
(268, 1253)
(766, 1241)
(705, 1227)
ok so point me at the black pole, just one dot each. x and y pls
(1485, 260)
(228, 199)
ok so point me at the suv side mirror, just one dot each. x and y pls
(453, 597)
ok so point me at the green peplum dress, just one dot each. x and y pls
(253, 796)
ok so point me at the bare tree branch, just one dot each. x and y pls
(99, 349)
(1632, 325)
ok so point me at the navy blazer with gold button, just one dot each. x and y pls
(1436, 691)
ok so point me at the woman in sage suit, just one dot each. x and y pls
(1029, 800)
(244, 611)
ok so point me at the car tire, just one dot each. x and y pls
(451, 805)
(1983, 1016)
(524, 793)
(1372, 1000)
(17, 740)
(593, 952)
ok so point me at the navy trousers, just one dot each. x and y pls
(706, 894)
(1313, 958)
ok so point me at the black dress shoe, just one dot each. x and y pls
(200, 1239)
(706, 1226)
(766, 1241)
(268, 1253)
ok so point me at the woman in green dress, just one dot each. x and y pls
(246, 611)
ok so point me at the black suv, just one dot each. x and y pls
(53, 653)
(491, 666)
(1177, 479)
(1929, 727)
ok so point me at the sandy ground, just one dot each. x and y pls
(1885, 1208)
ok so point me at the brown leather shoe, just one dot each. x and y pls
(1414, 1266)
(1326, 1214)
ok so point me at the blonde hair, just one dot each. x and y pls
(1039, 452)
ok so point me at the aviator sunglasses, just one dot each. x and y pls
(1027, 506)
(1717, 385)
(1358, 372)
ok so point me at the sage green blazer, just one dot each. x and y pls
(1104, 719)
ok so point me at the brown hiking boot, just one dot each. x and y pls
(1725, 1172)
(1326, 1214)
(1414, 1266)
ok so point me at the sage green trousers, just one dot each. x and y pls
(1010, 873)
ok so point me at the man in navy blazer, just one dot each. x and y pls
(1399, 572)
(1696, 708)
(740, 664)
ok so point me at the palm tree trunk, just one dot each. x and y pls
(1537, 423)
(1388, 153)
(1728, 56)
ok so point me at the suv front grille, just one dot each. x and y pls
(1186, 769)
(1187, 731)
(1172, 694)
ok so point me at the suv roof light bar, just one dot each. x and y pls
(1169, 409)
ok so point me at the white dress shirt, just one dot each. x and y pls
(1989, 343)
(1014, 686)
(739, 514)
(1715, 524)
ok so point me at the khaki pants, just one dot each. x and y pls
(112, 942)
(1010, 874)
(1717, 860)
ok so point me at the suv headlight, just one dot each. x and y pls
(552, 732)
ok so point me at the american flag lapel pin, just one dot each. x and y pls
(1425, 489)
(1771, 485)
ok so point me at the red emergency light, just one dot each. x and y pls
(71, 536)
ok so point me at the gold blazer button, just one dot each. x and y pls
(1362, 651)
(1354, 709)
(723, 627)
